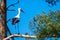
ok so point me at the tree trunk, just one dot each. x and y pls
(2, 19)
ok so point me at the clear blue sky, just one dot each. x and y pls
(31, 8)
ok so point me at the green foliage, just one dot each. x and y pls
(46, 25)
(52, 2)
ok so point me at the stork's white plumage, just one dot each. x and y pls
(18, 15)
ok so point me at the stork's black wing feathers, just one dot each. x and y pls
(15, 20)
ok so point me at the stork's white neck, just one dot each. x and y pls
(19, 12)
(18, 15)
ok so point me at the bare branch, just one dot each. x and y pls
(20, 35)
(12, 5)
(10, 10)
(8, 30)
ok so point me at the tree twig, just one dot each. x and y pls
(12, 5)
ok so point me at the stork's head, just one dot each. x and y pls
(20, 9)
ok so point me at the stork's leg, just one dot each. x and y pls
(15, 29)
(18, 29)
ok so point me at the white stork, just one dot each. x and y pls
(16, 18)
